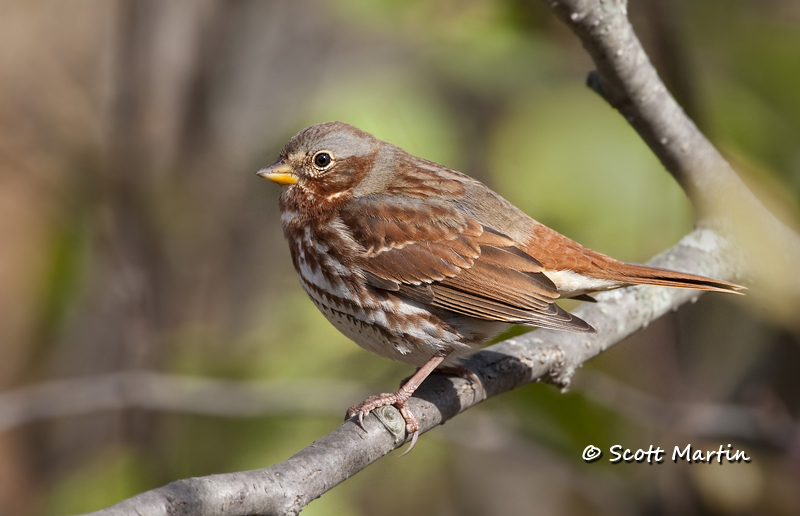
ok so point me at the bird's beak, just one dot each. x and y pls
(278, 172)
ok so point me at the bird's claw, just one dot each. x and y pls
(399, 401)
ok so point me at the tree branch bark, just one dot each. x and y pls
(542, 355)
(719, 248)
(766, 250)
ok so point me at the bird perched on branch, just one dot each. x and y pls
(423, 264)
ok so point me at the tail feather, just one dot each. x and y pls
(643, 275)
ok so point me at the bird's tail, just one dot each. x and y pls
(636, 274)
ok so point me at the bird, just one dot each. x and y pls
(423, 264)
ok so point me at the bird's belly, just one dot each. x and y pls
(383, 323)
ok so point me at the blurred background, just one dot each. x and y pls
(137, 240)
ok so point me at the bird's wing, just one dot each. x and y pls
(436, 255)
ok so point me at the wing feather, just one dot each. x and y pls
(438, 256)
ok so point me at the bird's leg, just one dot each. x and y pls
(399, 399)
(461, 372)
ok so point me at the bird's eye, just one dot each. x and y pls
(322, 160)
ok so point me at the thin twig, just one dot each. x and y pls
(174, 393)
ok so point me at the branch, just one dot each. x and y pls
(629, 82)
(542, 355)
(173, 393)
(734, 230)
(766, 250)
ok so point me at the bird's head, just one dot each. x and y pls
(323, 163)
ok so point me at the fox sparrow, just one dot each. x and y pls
(420, 263)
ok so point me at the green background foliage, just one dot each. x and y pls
(136, 237)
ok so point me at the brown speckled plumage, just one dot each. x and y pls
(420, 263)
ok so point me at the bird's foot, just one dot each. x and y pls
(400, 400)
